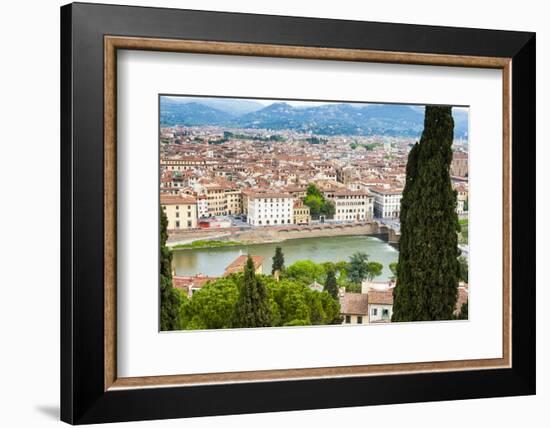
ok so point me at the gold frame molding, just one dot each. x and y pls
(113, 43)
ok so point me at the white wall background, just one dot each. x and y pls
(29, 215)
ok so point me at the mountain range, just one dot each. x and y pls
(325, 119)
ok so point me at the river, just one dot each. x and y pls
(213, 261)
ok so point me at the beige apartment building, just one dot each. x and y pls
(300, 214)
(180, 210)
(222, 200)
(352, 205)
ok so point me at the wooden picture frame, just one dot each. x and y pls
(91, 390)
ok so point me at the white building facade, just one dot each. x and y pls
(269, 209)
(387, 202)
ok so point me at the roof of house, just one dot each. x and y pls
(379, 297)
(354, 303)
(185, 282)
(177, 199)
(239, 263)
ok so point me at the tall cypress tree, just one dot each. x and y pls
(252, 307)
(278, 261)
(330, 284)
(170, 298)
(428, 269)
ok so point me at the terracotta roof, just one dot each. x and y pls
(377, 297)
(239, 263)
(177, 199)
(354, 303)
(197, 281)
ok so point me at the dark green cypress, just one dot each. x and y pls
(330, 284)
(278, 261)
(428, 269)
(252, 307)
(170, 298)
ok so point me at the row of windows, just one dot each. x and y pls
(374, 312)
(189, 224)
(275, 221)
(350, 203)
(189, 214)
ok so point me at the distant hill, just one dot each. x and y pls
(327, 119)
(191, 114)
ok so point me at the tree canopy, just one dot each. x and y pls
(428, 272)
(278, 261)
(317, 203)
(170, 297)
(252, 307)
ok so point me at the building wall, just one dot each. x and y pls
(387, 205)
(264, 211)
(354, 319)
(376, 312)
(353, 207)
(181, 216)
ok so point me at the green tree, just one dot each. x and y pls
(305, 271)
(252, 307)
(393, 269)
(358, 268)
(170, 297)
(329, 209)
(313, 190)
(374, 270)
(212, 306)
(298, 305)
(331, 287)
(315, 204)
(427, 283)
(463, 315)
(463, 262)
(278, 261)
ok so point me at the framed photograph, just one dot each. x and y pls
(266, 213)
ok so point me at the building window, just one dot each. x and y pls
(189, 223)
(177, 214)
(374, 311)
(359, 320)
(348, 319)
(177, 224)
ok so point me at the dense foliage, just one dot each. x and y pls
(428, 268)
(278, 264)
(170, 298)
(290, 303)
(331, 286)
(318, 204)
(252, 306)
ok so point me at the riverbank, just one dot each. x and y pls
(258, 235)
(204, 244)
(214, 261)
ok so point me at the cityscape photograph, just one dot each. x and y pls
(282, 213)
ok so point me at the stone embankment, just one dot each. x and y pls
(248, 235)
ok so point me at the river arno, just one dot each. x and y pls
(213, 261)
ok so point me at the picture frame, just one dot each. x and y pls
(91, 391)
